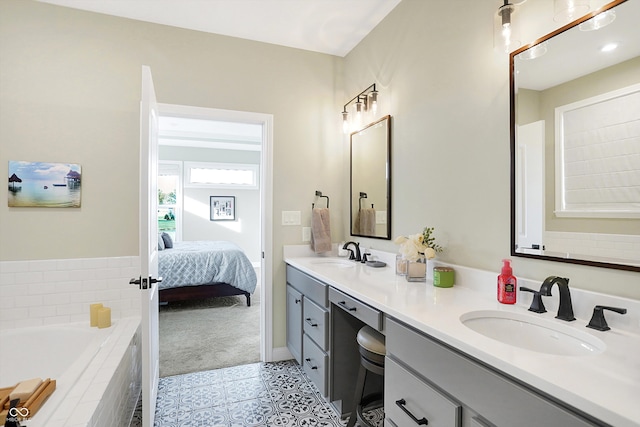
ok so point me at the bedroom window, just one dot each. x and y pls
(169, 207)
(221, 175)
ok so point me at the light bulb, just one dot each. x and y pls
(359, 109)
(345, 122)
(374, 102)
(507, 42)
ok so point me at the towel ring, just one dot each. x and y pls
(319, 194)
(362, 196)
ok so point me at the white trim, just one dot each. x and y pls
(179, 196)
(266, 205)
(281, 353)
(597, 214)
(209, 144)
(266, 214)
(253, 168)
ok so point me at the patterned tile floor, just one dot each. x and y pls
(259, 394)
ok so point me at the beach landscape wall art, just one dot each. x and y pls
(44, 185)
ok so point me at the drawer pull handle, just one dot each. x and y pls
(298, 301)
(308, 319)
(309, 363)
(344, 304)
(421, 422)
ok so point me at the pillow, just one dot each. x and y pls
(160, 242)
(168, 243)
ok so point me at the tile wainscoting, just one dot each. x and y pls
(44, 292)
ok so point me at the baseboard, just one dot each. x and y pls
(281, 353)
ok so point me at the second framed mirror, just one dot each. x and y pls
(371, 180)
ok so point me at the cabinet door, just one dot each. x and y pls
(409, 401)
(294, 323)
(315, 364)
(316, 323)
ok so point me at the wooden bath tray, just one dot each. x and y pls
(32, 404)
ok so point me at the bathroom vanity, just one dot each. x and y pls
(440, 371)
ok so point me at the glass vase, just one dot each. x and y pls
(417, 270)
(401, 265)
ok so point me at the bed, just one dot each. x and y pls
(204, 269)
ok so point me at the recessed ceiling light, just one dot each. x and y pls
(609, 47)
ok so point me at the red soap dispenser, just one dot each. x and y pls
(507, 284)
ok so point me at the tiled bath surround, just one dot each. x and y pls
(43, 292)
(106, 394)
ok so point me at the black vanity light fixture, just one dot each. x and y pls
(505, 36)
(365, 101)
(506, 27)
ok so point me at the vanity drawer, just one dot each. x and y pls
(315, 323)
(308, 286)
(314, 363)
(358, 309)
(406, 396)
(460, 376)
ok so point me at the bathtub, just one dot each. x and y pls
(96, 370)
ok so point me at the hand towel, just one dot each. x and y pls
(366, 222)
(356, 223)
(320, 230)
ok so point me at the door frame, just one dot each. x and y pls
(266, 204)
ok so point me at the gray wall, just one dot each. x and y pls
(196, 225)
(448, 92)
(70, 91)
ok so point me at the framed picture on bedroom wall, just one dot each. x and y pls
(223, 208)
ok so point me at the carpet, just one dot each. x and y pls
(208, 334)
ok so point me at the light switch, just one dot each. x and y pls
(290, 217)
(306, 234)
(381, 217)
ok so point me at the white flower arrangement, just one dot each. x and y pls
(416, 246)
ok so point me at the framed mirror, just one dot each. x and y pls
(575, 142)
(371, 180)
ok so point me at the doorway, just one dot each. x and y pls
(245, 135)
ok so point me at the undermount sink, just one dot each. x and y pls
(531, 333)
(332, 262)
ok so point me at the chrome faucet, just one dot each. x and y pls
(356, 246)
(565, 310)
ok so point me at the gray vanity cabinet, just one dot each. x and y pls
(294, 322)
(308, 325)
(446, 387)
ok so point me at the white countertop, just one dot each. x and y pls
(605, 385)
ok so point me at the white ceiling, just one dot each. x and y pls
(328, 26)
